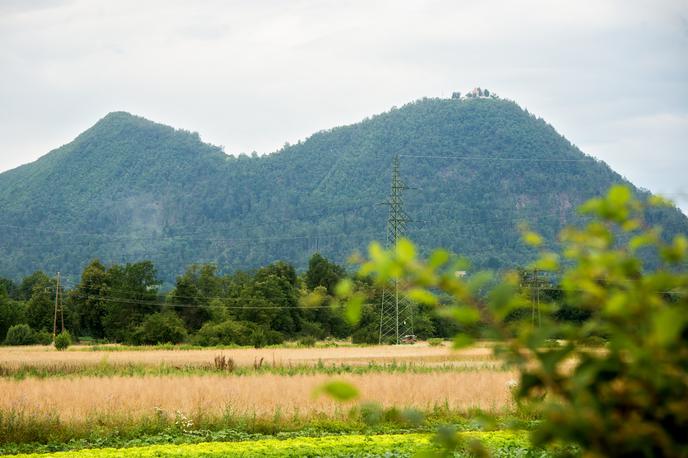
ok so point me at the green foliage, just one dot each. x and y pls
(114, 192)
(41, 304)
(165, 327)
(228, 332)
(341, 391)
(20, 334)
(627, 399)
(11, 312)
(398, 445)
(322, 272)
(63, 340)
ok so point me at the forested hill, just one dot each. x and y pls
(129, 189)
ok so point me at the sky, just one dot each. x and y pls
(611, 76)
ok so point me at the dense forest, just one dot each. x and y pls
(124, 303)
(129, 189)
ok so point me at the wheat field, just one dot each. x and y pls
(260, 395)
(40, 356)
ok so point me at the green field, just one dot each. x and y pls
(499, 443)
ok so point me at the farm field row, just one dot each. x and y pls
(398, 445)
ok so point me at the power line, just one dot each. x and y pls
(224, 306)
(504, 159)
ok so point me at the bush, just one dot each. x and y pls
(628, 400)
(228, 332)
(20, 334)
(307, 341)
(63, 340)
(160, 328)
(435, 342)
(43, 338)
(366, 335)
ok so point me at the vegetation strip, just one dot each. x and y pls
(138, 370)
(350, 445)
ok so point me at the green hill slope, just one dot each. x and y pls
(129, 189)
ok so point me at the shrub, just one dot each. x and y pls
(258, 338)
(63, 340)
(435, 342)
(225, 333)
(628, 400)
(160, 328)
(43, 338)
(307, 341)
(20, 334)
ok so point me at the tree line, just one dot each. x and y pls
(123, 303)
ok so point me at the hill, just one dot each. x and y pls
(129, 189)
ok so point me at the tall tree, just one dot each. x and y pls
(90, 299)
(40, 308)
(322, 272)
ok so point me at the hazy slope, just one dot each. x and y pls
(129, 189)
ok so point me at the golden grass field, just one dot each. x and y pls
(80, 399)
(42, 356)
(260, 395)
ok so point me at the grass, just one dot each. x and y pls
(350, 445)
(85, 397)
(108, 369)
(20, 362)
(46, 355)
(260, 394)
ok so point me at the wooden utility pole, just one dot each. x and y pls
(58, 307)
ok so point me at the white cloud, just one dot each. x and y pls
(610, 75)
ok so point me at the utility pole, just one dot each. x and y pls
(534, 280)
(58, 307)
(396, 310)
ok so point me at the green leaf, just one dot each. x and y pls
(466, 315)
(438, 258)
(619, 195)
(344, 288)
(423, 296)
(339, 390)
(353, 308)
(405, 250)
(462, 341)
(532, 238)
(668, 324)
(548, 262)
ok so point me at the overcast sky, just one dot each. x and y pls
(612, 76)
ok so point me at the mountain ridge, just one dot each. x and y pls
(129, 188)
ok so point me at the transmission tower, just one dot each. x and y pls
(396, 310)
(59, 309)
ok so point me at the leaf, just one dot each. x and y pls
(405, 250)
(339, 390)
(466, 315)
(462, 341)
(668, 324)
(353, 308)
(532, 238)
(548, 262)
(344, 288)
(438, 258)
(619, 195)
(423, 296)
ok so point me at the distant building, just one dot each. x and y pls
(478, 93)
(456, 95)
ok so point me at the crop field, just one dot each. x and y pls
(120, 397)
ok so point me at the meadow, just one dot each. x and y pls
(117, 396)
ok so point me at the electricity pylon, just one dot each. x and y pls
(59, 309)
(396, 310)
